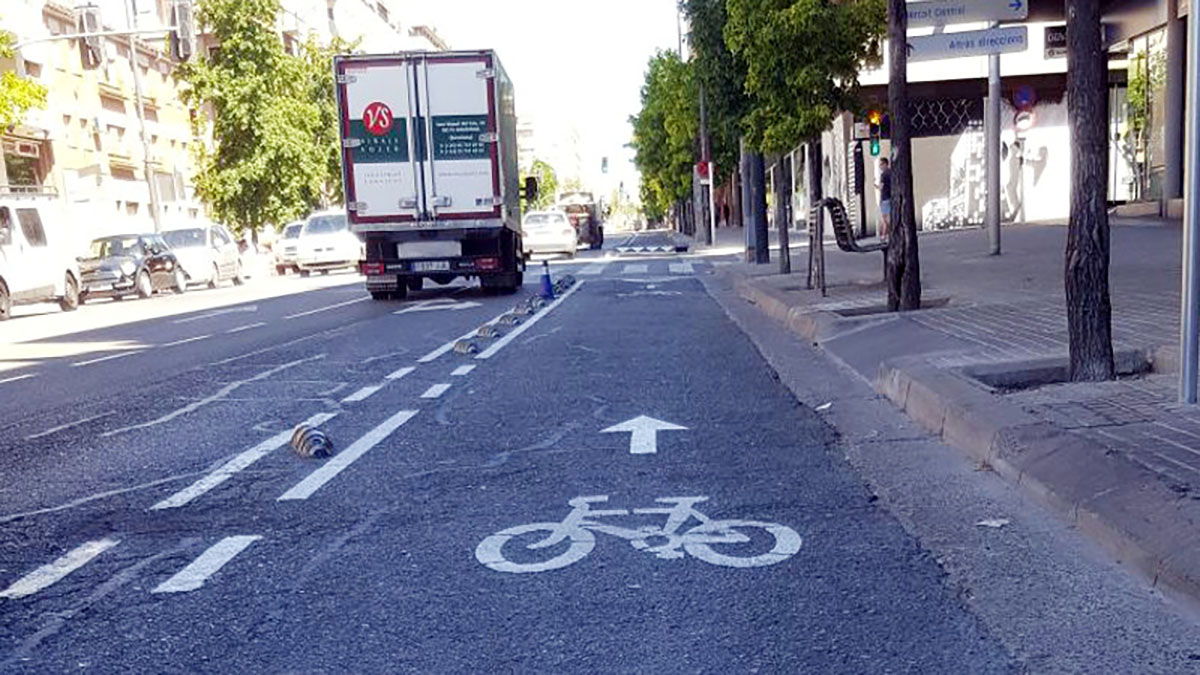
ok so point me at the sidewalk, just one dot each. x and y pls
(1119, 460)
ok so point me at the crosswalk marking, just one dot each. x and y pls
(362, 394)
(635, 269)
(463, 371)
(435, 391)
(305, 488)
(681, 268)
(194, 575)
(400, 373)
(593, 269)
(48, 574)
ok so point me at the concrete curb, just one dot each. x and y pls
(814, 325)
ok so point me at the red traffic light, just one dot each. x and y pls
(875, 117)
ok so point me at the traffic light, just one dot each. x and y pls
(875, 119)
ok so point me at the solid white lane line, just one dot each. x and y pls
(305, 488)
(242, 461)
(681, 268)
(400, 373)
(184, 342)
(436, 391)
(110, 357)
(463, 371)
(249, 326)
(61, 427)
(48, 574)
(437, 353)
(636, 269)
(593, 269)
(326, 309)
(362, 394)
(18, 378)
(194, 575)
(512, 335)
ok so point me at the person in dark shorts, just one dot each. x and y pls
(884, 187)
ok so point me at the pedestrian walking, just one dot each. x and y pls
(883, 188)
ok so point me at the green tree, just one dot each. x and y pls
(319, 81)
(547, 180)
(266, 167)
(723, 75)
(664, 133)
(802, 60)
(17, 94)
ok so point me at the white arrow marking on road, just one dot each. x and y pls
(218, 312)
(432, 306)
(644, 433)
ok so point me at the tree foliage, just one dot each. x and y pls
(802, 62)
(319, 82)
(664, 133)
(547, 179)
(267, 166)
(17, 94)
(723, 75)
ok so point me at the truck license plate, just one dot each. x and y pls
(432, 266)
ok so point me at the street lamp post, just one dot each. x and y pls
(147, 166)
(1189, 339)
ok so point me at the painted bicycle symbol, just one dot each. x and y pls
(664, 541)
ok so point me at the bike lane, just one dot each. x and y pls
(389, 567)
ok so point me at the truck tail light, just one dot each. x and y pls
(488, 264)
(372, 269)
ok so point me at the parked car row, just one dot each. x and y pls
(321, 243)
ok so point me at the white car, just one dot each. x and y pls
(286, 248)
(37, 261)
(326, 243)
(548, 232)
(209, 254)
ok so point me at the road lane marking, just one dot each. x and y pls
(512, 335)
(217, 312)
(635, 269)
(593, 269)
(194, 575)
(400, 373)
(326, 309)
(63, 427)
(444, 349)
(436, 391)
(48, 574)
(18, 378)
(186, 341)
(463, 371)
(221, 393)
(110, 357)
(305, 488)
(249, 326)
(681, 268)
(362, 394)
(242, 461)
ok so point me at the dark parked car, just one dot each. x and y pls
(130, 264)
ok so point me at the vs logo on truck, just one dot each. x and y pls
(377, 118)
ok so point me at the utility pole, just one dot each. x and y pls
(1189, 341)
(705, 158)
(147, 167)
(991, 127)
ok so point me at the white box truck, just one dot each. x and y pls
(429, 162)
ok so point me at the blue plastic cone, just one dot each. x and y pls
(547, 291)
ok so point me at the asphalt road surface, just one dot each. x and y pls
(618, 483)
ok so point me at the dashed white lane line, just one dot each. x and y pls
(242, 461)
(48, 574)
(305, 488)
(186, 341)
(463, 371)
(593, 269)
(512, 335)
(362, 394)
(249, 326)
(636, 269)
(110, 357)
(436, 391)
(681, 268)
(437, 353)
(194, 575)
(63, 427)
(326, 309)
(18, 378)
(400, 373)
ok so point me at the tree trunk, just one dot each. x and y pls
(1089, 310)
(903, 260)
(755, 206)
(781, 214)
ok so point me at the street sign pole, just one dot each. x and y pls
(1189, 339)
(992, 130)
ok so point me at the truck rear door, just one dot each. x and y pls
(379, 154)
(462, 175)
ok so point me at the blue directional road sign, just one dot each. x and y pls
(968, 43)
(948, 12)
